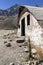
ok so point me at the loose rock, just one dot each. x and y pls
(34, 51)
(12, 64)
(26, 50)
(19, 64)
(10, 40)
(5, 42)
(8, 45)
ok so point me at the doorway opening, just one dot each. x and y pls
(23, 27)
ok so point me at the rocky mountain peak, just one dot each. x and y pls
(12, 11)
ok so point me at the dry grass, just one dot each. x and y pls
(39, 50)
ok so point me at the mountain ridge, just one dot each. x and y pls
(9, 18)
(12, 11)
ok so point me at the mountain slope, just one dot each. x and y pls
(8, 22)
(9, 17)
(12, 11)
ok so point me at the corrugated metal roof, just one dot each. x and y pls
(36, 11)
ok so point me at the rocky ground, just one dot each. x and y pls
(11, 50)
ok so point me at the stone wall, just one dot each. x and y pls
(34, 30)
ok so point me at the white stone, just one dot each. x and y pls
(26, 49)
(12, 63)
(34, 50)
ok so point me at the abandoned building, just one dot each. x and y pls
(30, 24)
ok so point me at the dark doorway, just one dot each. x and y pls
(23, 27)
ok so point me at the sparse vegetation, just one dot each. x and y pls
(8, 23)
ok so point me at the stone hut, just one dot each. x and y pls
(30, 23)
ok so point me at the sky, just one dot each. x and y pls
(4, 4)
